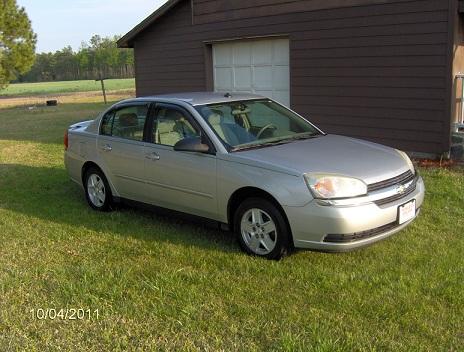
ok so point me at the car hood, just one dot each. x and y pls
(332, 154)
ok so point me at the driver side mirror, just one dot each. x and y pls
(191, 144)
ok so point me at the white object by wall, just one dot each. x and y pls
(255, 66)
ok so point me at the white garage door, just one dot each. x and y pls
(259, 66)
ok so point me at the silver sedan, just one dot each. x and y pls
(250, 164)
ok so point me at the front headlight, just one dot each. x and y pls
(333, 186)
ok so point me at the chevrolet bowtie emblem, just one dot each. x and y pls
(400, 189)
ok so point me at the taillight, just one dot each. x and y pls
(66, 140)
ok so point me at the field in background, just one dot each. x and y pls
(162, 283)
(50, 88)
(33, 95)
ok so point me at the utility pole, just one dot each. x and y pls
(103, 87)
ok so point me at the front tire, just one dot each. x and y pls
(97, 190)
(261, 229)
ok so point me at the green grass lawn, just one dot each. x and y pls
(24, 89)
(162, 283)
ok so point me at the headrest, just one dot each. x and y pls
(240, 112)
(215, 119)
(128, 120)
(166, 126)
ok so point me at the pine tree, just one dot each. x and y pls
(17, 41)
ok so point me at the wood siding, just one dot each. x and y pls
(458, 68)
(373, 69)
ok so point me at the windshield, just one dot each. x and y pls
(255, 123)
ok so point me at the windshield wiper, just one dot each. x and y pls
(304, 136)
(260, 145)
(277, 142)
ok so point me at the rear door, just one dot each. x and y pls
(182, 181)
(121, 147)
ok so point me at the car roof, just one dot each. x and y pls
(199, 98)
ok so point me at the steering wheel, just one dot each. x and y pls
(267, 127)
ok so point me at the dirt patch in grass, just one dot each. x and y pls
(12, 152)
(446, 164)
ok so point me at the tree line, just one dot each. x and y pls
(99, 58)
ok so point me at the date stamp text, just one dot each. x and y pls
(64, 314)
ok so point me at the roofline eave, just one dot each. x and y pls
(127, 40)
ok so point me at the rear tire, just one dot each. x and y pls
(97, 190)
(261, 229)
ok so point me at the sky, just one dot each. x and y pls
(59, 23)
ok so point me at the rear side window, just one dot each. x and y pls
(107, 123)
(127, 122)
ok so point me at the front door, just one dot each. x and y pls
(182, 181)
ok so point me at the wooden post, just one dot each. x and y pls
(103, 87)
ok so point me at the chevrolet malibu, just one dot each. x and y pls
(249, 163)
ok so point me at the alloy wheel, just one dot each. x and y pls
(259, 232)
(96, 190)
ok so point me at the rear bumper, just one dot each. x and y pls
(348, 227)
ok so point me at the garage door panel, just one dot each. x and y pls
(281, 97)
(223, 77)
(266, 93)
(242, 54)
(263, 77)
(280, 77)
(243, 79)
(262, 51)
(281, 50)
(223, 54)
(259, 66)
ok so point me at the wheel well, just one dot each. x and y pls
(242, 194)
(87, 165)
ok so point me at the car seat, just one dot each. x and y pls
(166, 132)
(128, 125)
(231, 133)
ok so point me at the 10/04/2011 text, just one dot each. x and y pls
(65, 314)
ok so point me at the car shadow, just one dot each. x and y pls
(47, 193)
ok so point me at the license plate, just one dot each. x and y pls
(407, 211)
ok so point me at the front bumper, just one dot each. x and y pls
(358, 225)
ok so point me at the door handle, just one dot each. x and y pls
(152, 156)
(107, 148)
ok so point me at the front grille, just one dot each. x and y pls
(398, 196)
(405, 177)
(347, 238)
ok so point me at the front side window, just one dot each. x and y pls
(243, 124)
(172, 125)
(127, 122)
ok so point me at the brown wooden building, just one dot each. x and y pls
(381, 70)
